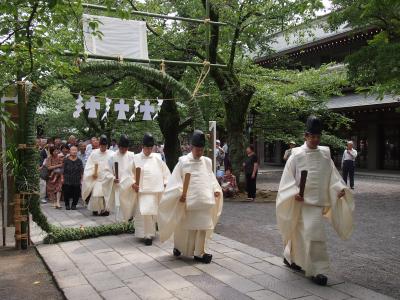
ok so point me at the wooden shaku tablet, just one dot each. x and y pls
(137, 175)
(303, 179)
(186, 184)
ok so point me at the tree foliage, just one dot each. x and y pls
(285, 98)
(375, 67)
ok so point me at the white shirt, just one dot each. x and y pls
(114, 148)
(347, 156)
(89, 149)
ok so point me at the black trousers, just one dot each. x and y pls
(251, 186)
(348, 171)
(71, 191)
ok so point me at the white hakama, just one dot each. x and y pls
(192, 222)
(123, 192)
(301, 224)
(153, 178)
(98, 189)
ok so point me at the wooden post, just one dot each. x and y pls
(4, 202)
(21, 220)
(17, 220)
(212, 141)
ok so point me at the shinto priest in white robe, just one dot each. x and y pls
(301, 223)
(98, 189)
(123, 190)
(192, 222)
(153, 178)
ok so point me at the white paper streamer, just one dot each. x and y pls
(136, 110)
(78, 106)
(159, 103)
(108, 106)
(147, 110)
(92, 106)
(121, 107)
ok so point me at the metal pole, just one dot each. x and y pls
(152, 15)
(138, 60)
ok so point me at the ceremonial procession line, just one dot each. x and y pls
(120, 267)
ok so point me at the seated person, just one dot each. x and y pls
(228, 184)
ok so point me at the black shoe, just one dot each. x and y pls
(320, 279)
(148, 242)
(105, 213)
(67, 207)
(205, 259)
(352, 187)
(73, 207)
(95, 213)
(293, 266)
(176, 252)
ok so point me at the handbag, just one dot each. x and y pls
(44, 173)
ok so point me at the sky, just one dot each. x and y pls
(327, 4)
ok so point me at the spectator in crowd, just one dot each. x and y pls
(94, 144)
(82, 153)
(64, 151)
(57, 142)
(229, 184)
(114, 145)
(219, 154)
(348, 163)
(227, 163)
(54, 183)
(42, 151)
(185, 149)
(72, 141)
(42, 170)
(288, 152)
(160, 149)
(250, 170)
(72, 176)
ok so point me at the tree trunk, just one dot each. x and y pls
(169, 120)
(235, 122)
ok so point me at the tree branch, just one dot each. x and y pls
(28, 33)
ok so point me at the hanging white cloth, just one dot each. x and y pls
(120, 38)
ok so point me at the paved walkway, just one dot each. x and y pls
(378, 174)
(121, 267)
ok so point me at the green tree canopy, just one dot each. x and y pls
(375, 67)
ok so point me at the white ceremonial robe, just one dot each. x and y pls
(99, 189)
(301, 223)
(123, 190)
(153, 178)
(192, 222)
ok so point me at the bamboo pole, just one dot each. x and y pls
(208, 30)
(138, 60)
(151, 15)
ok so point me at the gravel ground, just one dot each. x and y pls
(370, 258)
(24, 276)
